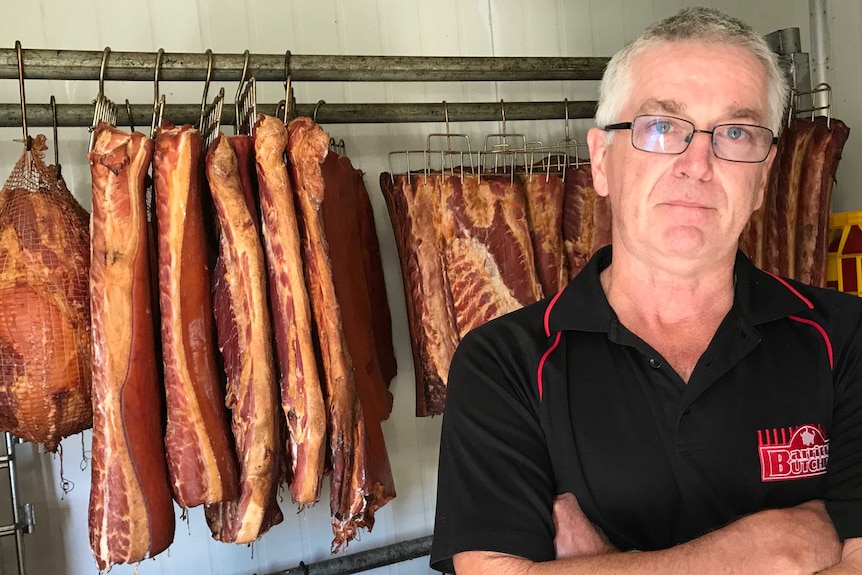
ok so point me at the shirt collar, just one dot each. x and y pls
(583, 306)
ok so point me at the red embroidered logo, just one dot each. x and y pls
(792, 453)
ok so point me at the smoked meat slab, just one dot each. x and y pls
(545, 193)
(487, 247)
(353, 277)
(815, 197)
(344, 238)
(355, 493)
(413, 201)
(200, 453)
(301, 394)
(131, 514)
(586, 218)
(245, 341)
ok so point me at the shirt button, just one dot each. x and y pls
(654, 363)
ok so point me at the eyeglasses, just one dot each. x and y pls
(669, 135)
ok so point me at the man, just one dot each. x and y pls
(673, 399)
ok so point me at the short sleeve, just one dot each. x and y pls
(844, 472)
(495, 487)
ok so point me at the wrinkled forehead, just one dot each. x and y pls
(676, 77)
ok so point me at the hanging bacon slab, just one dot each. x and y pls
(301, 393)
(381, 320)
(544, 194)
(245, 341)
(815, 196)
(201, 459)
(344, 238)
(243, 147)
(355, 494)
(45, 345)
(782, 212)
(489, 255)
(342, 228)
(131, 513)
(586, 218)
(414, 208)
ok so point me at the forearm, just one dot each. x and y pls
(795, 540)
(851, 559)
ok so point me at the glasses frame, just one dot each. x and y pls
(629, 125)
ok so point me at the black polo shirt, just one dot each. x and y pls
(560, 397)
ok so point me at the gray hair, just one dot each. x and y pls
(690, 24)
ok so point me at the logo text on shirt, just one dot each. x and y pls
(792, 452)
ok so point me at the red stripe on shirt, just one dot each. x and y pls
(548, 313)
(795, 292)
(822, 333)
(542, 362)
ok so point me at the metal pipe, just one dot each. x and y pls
(365, 560)
(139, 66)
(11, 441)
(820, 49)
(78, 115)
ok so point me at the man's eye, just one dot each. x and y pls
(661, 127)
(735, 132)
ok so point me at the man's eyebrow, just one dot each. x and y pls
(735, 113)
(654, 105)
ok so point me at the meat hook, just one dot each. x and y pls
(288, 89)
(158, 101)
(54, 127)
(446, 119)
(102, 69)
(316, 108)
(27, 141)
(209, 54)
(242, 80)
(129, 113)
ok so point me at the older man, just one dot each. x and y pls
(673, 399)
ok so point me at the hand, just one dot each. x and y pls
(576, 535)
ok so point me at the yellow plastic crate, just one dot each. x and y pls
(844, 259)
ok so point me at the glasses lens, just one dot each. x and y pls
(661, 134)
(741, 142)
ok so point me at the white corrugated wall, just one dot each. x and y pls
(375, 27)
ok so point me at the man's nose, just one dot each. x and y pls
(696, 161)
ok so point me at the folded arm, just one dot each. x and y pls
(799, 539)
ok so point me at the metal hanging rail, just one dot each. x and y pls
(78, 115)
(140, 66)
(365, 560)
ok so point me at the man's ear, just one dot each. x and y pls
(598, 153)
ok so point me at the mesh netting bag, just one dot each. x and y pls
(45, 352)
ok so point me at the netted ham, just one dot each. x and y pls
(45, 354)
(200, 454)
(586, 218)
(245, 341)
(301, 394)
(355, 493)
(544, 192)
(413, 201)
(131, 514)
